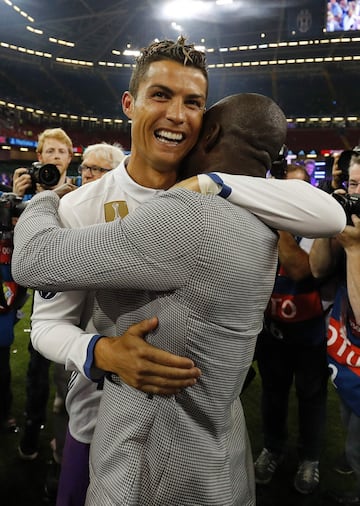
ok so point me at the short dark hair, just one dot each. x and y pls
(177, 51)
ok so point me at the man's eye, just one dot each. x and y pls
(195, 104)
(160, 94)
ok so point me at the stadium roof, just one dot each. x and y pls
(94, 28)
(69, 56)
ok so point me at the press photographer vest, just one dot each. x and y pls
(295, 311)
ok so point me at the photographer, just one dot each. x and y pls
(54, 153)
(291, 350)
(339, 171)
(341, 255)
(12, 298)
(54, 147)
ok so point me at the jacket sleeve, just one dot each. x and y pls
(61, 325)
(145, 250)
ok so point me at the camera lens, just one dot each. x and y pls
(49, 175)
(46, 175)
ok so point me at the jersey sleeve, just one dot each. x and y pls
(290, 205)
(57, 324)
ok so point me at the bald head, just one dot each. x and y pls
(241, 134)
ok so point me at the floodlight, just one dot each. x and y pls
(186, 9)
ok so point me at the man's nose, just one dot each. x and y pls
(176, 110)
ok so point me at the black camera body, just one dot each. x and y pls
(344, 162)
(279, 165)
(350, 203)
(11, 206)
(47, 175)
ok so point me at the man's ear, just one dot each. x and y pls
(211, 137)
(127, 104)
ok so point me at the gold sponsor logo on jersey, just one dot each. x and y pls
(115, 209)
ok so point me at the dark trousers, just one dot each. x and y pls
(282, 362)
(37, 396)
(37, 387)
(5, 383)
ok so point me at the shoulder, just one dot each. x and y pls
(183, 200)
(192, 208)
(92, 191)
(85, 205)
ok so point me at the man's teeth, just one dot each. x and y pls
(166, 136)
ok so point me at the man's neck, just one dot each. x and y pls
(151, 178)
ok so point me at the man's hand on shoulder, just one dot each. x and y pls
(143, 366)
(202, 183)
(190, 183)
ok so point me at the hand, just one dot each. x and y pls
(336, 173)
(64, 189)
(21, 181)
(142, 365)
(350, 237)
(190, 183)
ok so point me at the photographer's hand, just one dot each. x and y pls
(350, 237)
(336, 174)
(21, 181)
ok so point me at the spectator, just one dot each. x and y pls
(203, 291)
(99, 159)
(332, 25)
(292, 348)
(54, 147)
(310, 167)
(338, 178)
(12, 298)
(336, 10)
(350, 20)
(341, 254)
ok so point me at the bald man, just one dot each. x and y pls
(206, 269)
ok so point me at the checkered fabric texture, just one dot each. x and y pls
(208, 269)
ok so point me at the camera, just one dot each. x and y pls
(279, 165)
(11, 206)
(350, 203)
(47, 175)
(344, 162)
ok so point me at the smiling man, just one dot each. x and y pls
(206, 269)
(166, 112)
(165, 103)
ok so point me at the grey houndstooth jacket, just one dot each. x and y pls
(208, 269)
